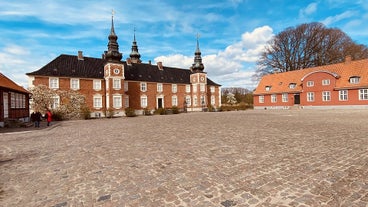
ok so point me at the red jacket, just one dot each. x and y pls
(49, 116)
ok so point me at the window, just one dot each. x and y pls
(143, 87)
(202, 87)
(292, 85)
(310, 96)
(268, 88)
(54, 83)
(343, 95)
(354, 79)
(285, 97)
(195, 101)
(174, 88)
(116, 101)
(326, 82)
(116, 84)
(261, 99)
(97, 84)
(212, 89)
(97, 101)
(273, 98)
(144, 101)
(310, 83)
(187, 88)
(74, 84)
(194, 88)
(213, 100)
(55, 102)
(174, 101)
(188, 100)
(363, 94)
(126, 101)
(159, 87)
(126, 86)
(326, 96)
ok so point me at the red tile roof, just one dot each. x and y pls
(280, 82)
(5, 82)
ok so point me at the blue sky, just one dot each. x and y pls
(232, 32)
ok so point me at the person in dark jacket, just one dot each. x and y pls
(37, 118)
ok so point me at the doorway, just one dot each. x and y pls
(297, 98)
(159, 103)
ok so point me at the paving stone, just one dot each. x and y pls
(245, 158)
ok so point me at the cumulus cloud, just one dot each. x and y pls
(233, 66)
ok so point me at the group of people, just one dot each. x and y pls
(36, 118)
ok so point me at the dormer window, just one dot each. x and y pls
(292, 85)
(268, 88)
(354, 79)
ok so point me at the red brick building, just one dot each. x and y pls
(109, 83)
(14, 101)
(342, 85)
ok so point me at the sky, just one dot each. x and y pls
(232, 33)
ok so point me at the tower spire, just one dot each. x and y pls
(134, 55)
(197, 66)
(112, 54)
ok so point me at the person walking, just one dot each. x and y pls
(37, 118)
(48, 117)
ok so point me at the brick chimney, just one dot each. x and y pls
(80, 55)
(160, 66)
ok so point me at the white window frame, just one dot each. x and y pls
(126, 101)
(202, 87)
(212, 89)
(74, 84)
(55, 102)
(310, 83)
(343, 95)
(117, 101)
(143, 86)
(194, 88)
(126, 86)
(292, 85)
(273, 98)
(53, 83)
(326, 82)
(144, 101)
(195, 100)
(174, 101)
(188, 100)
(310, 96)
(285, 97)
(116, 83)
(268, 88)
(326, 96)
(97, 85)
(363, 94)
(261, 99)
(97, 101)
(213, 100)
(187, 88)
(174, 88)
(354, 80)
(160, 87)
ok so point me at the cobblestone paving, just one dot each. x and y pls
(252, 158)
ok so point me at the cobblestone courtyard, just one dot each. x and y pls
(252, 158)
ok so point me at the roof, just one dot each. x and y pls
(5, 82)
(70, 66)
(279, 82)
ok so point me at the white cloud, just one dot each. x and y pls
(228, 67)
(310, 9)
(333, 19)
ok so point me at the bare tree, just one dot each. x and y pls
(305, 46)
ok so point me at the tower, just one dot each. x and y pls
(134, 55)
(114, 73)
(198, 79)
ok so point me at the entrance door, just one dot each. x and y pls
(159, 103)
(6, 105)
(297, 98)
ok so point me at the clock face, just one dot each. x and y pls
(202, 79)
(116, 71)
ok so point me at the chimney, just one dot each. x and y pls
(348, 59)
(129, 61)
(80, 55)
(159, 65)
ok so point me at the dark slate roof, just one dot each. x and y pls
(70, 66)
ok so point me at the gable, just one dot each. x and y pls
(5, 82)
